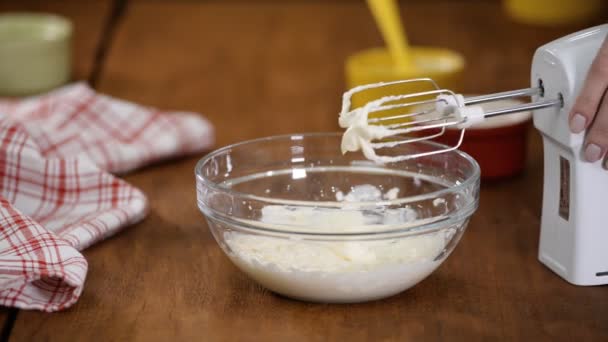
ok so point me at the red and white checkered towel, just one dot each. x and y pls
(56, 193)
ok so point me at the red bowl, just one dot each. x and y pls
(498, 144)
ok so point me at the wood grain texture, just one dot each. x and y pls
(267, 68)
(88, 19)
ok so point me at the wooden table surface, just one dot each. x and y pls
(258, 68)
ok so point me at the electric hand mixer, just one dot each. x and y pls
(574, 225)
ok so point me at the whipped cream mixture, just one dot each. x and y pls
(348, 270)
(359, 133)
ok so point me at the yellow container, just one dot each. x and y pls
(553, 12)
(376, 65)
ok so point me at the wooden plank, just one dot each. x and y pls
(260, 69)
(88, 19)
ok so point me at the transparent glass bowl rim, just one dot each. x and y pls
(425, 225)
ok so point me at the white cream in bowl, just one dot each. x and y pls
(337, 271)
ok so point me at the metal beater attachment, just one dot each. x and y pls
(407, 118)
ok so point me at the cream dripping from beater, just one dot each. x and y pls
(424, 116)
(362, 132)
(359, 133)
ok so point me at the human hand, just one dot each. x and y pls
(590, 112)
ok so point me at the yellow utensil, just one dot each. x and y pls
(399, 60)
(386, 14)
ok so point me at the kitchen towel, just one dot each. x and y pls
(57, 192)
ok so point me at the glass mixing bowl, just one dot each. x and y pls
(310, 223)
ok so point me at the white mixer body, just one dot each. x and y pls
(574, 223)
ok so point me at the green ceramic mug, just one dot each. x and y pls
(34, 53)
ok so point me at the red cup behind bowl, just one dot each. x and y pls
(498, 144)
